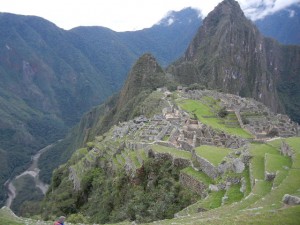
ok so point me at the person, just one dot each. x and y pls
(60, 221)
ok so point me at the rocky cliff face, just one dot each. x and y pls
(230, 54)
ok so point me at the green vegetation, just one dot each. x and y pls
(172, 151)
(122, 198)
(206, 112)
(233, 194)
(275, 163)
(257, 166)
(213, 154)
(6, 217)
(198, 175)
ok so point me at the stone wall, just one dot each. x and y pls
(206, 166)
(285, 149)
(178, 162)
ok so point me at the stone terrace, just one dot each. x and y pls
(252, 115)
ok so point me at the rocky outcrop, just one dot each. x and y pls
(291, 200)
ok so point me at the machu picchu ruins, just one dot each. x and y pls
(212, 159)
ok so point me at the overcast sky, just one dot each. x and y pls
(124, 15)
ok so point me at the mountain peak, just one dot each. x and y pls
(227, 8)
(146, 74)
(229, 53)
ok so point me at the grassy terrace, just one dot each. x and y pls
(258, 151)
(198, 175)
(213, 154)
(234, 194)
(172, 151)
(275, 163)
(212, 201)
(205, 113)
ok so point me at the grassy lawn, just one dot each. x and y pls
(262, 187)
(198, 175)
(276, 143)
(172, 151)
(257, 165)
(134, 159)
(274, 163)
(246, 175)
(206, 115)
(213, 154)
(212, 201)
(142, 154)
(291, 183)
(234, 194)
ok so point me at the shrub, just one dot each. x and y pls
(222, 112)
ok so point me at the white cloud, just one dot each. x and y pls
(121, 15)
(292, 13)
(258, 9)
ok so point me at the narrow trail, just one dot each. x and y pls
(33, 171)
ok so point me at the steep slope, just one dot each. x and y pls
(45, 86)
(284, 25)
(230, 54)
(145, 76)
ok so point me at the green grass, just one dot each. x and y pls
(257, 165)
(212, 201)
(198, 175)
(166, 138)
(275, 163)
(134, 159)
(291, 183)
(7, 218)
(246, 175)
(172, 151)
(213, 154)
(262, 187)
(207, 116)
(234, 194)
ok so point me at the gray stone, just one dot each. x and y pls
(213, 187)
(291, 200)
(269, 176)
(238, 166)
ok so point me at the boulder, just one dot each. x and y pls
(291, 200)
(238, 166)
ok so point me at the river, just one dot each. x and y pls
(33, 171)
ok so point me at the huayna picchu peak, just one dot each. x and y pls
(213, 138)
(229, 53)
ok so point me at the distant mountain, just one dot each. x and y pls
(167, 39)
(283, 25)
(230, 54)
(45, 86)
